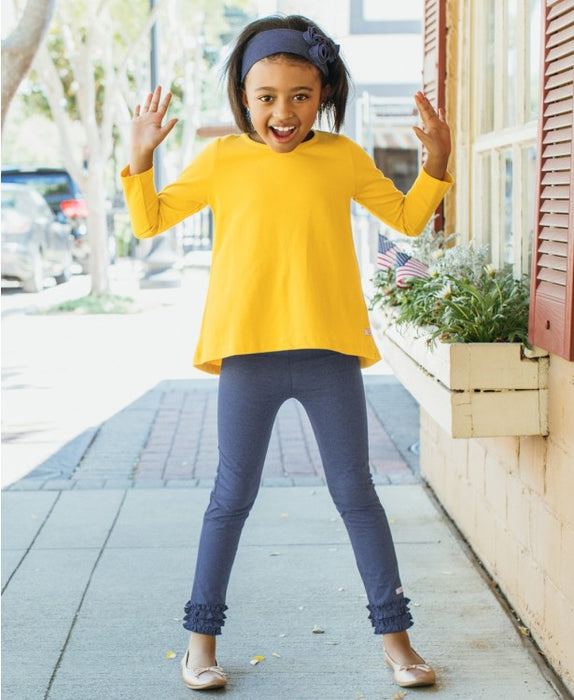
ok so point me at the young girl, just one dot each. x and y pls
(285, 314)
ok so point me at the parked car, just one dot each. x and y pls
(65, 199)
(35, 244)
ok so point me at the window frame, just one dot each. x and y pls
(488, 225)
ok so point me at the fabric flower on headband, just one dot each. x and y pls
(322, 49)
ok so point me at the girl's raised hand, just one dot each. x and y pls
(148, 129)
(435, 136)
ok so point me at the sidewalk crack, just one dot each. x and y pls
(82, 599)
(48, 514)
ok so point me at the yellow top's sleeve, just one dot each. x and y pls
(408, 213)
(151, 213)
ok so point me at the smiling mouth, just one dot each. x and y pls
(282, 132)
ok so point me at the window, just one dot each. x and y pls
(504, 101)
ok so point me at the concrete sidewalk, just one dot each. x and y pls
(97, 564)
(116, 437)
(95, 581)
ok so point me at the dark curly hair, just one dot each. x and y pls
(338, 77)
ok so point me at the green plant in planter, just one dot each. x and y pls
(463, 300)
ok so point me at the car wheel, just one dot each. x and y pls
(64, 276)
(35, 283)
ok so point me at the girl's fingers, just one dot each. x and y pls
(169, 126)
(137, 111)
(147, 102)
(165, 103)
(155, 99)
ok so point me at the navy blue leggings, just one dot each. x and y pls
(329, 385)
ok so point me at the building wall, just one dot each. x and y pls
(512, 498)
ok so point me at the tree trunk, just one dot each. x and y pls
(97, 227)
(19, 48)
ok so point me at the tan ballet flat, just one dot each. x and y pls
(411, 675)
(202, 677)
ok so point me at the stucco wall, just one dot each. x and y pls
(513, 500)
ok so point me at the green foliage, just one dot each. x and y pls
(464, 300)
(220, 21)
(96, 304)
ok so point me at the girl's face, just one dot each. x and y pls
(283, 98)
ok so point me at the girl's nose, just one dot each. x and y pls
(282, 108)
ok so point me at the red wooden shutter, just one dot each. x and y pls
(434, 68)
(552, 294)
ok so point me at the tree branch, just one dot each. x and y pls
(19, 48)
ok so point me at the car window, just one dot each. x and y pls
(8, 201)
(18, 200)
(50, 185)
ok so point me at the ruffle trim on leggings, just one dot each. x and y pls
(204, 619)
(391, 617)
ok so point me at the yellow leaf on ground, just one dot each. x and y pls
(256, 659)
(276, 655)
(171, 655)
(318, 630)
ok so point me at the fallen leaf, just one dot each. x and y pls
(399, 696)
(525, 631)
(276, 655)
(256, 659)
(318, 630)
(171, 655)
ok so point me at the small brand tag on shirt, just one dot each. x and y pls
(368, 331)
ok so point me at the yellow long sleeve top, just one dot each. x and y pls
(284, 272)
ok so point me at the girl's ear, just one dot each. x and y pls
(325, 92)
(244, 99)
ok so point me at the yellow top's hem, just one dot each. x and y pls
(213, 366)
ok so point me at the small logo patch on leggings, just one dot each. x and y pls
(399, 591)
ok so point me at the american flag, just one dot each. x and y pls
(408, 267)
(386, 253)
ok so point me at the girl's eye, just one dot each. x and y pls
(265, 98)
(300, 98)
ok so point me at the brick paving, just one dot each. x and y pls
(168, 438)
(182, 443)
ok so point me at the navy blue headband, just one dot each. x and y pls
(311, 44)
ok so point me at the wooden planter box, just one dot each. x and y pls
(470, 389)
